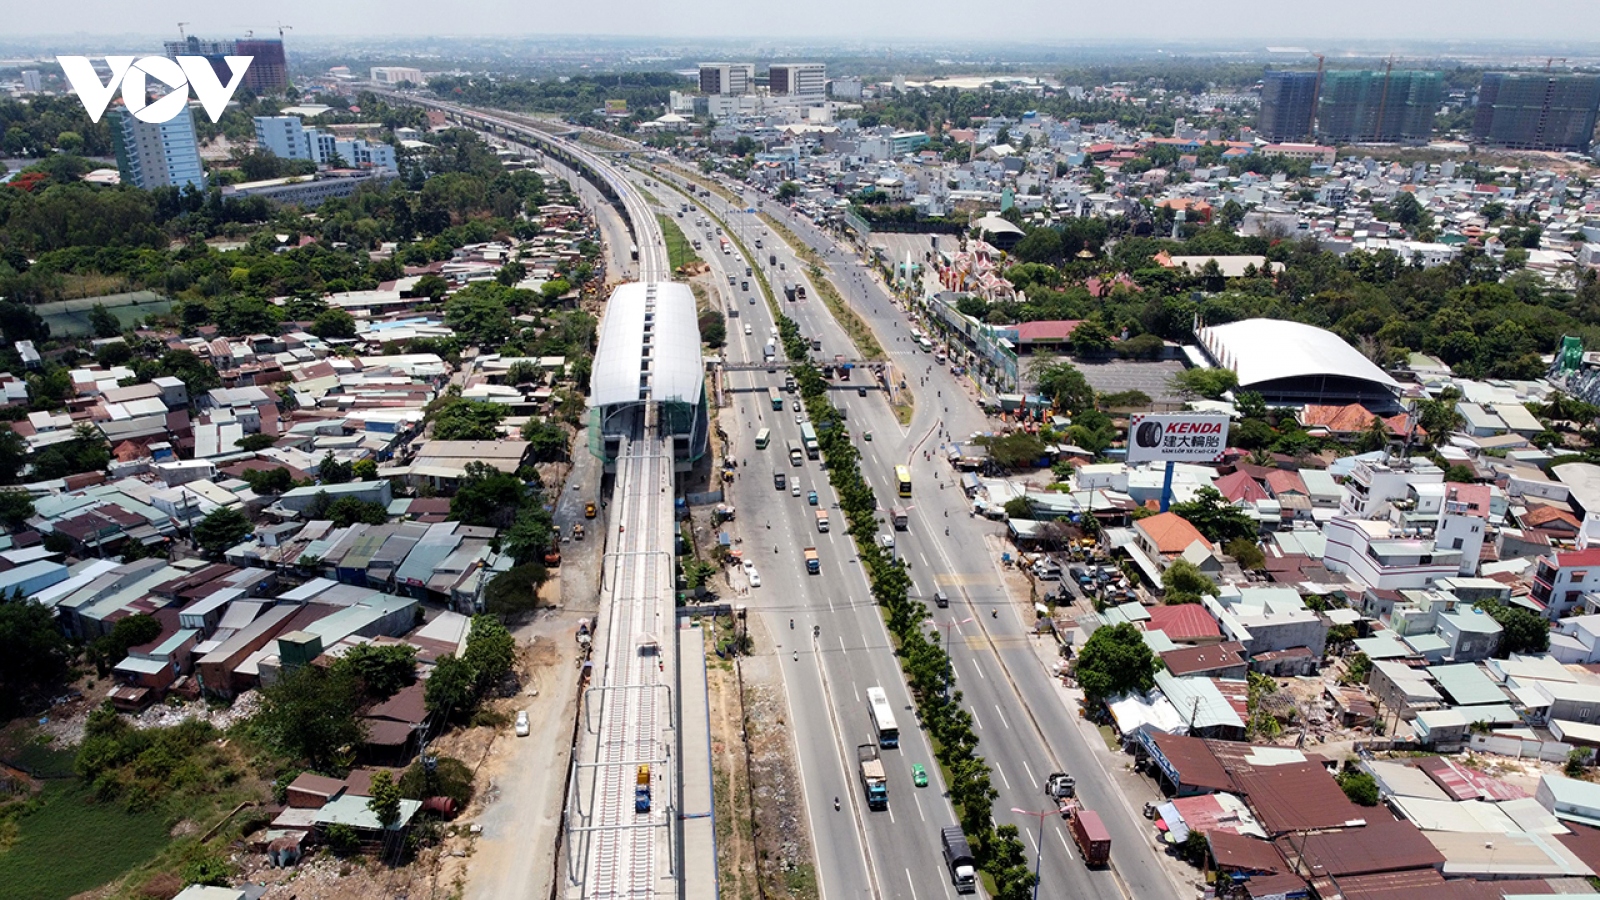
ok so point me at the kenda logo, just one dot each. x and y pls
(133, 77)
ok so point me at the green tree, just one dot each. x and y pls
(1018, 508)
(16, 507)
(1215, 517)
(455, 419)
(1018, 450)
(129, 631)
(487, 496)
(1091, 337)
(13, 454)
(788, 190)
(255, 442)
(491, 650)
(269, 481)
(1247, 553)
(1063, 384)
(1208, 383)
(514, 593)
(334, 324)
(1376, 437)
(430, 286)
(1115, 661)
(548, 440)
(1359, 786)
(382, 669)
(333, 470)
(451, 689)
(1183, 582)
(1521, 630)
(36, 654)
(309, 715)
(104, 324)
(223, 528)
(363, 470)
(384, 801)
(1357, 670)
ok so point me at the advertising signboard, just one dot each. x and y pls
(1177, 437)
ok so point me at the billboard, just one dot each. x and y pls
(1177, 437)
(616, 107)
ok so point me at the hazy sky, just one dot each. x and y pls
(876, 21)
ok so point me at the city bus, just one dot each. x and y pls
(902, 478)
(763, 438)
(808, 436)
(882, 718)
(776, 398)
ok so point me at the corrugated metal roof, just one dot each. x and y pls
(676, 368)
(1198, 701)
(1382, 845)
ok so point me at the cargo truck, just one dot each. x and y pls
(822, 521)
(873, 779)
(958, 857)
(813, 562)
(1091, 836)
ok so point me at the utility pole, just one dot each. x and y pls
(1038, 855)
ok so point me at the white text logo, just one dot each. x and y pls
(132, 76)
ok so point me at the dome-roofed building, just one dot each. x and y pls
(649, 352)
(1295, 363)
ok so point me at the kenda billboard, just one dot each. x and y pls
(133, 77)
(1177, 437)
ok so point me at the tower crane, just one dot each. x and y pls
(181, 35)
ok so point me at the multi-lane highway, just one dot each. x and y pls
(1026, 728)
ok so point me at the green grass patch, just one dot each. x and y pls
(72, 843)
(680, 252)
(1109, 735)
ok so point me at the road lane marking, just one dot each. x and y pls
(1070, 854)
(1029, 769)
(1003, 776)
(912, 884)
(920, 813)
(975, 719)
(1031, 839)
(891, 814)
(1002, 717)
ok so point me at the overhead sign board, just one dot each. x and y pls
(1177, 437)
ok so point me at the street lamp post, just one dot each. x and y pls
(1038, 856)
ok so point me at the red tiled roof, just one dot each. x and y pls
(1240, 486)
(1283, 481)
(1349, 419)
(1183, 622)
(1549, 517)
(1576, 558)
(1170, 532)
(1053, 330)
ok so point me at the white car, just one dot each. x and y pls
(748, 329)
(751, 573)
(794, 491)
(798, 418)
(887, 540)
(522, 723)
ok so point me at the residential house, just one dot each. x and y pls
(1367, 550)
(1471, 634)
(1561, 579)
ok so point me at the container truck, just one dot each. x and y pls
(958, 857)
(1091, 836)
(822, 521)
(813, 562)
(873, 779)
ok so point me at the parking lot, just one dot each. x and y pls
(1117, 375)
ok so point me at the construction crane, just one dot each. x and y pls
(282, 28)
(181, 35)
(1316, 94)
(1552, 59)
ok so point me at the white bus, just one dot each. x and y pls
(882, 718)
